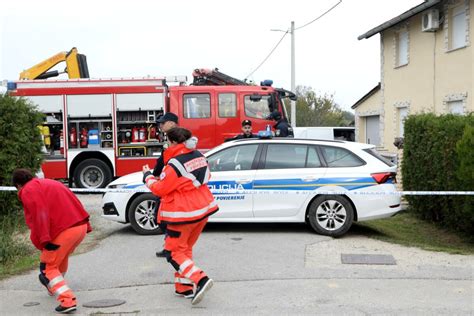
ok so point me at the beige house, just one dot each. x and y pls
(426, 66)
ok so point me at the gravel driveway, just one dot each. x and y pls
(101, 228)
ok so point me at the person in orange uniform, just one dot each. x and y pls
(58, 223)
(186, 204)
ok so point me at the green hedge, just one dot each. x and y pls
(439, 156)
(21, 143)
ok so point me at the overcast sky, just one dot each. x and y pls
(138, 38)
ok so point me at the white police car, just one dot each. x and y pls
(279, 180)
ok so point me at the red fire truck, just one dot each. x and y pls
(98, 129)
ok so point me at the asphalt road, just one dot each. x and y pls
(257, 269)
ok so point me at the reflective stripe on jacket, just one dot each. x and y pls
(182, 186)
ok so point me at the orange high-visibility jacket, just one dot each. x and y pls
(185, 196)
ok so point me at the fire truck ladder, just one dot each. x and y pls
(213, 77)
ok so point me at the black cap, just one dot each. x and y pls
(246, 122)
(168, 117)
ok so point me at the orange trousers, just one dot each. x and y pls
(179, 243)
(54, 263)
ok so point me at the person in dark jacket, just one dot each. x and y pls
(58, 223)
(282, 127)
(246, 131)
(165, 123)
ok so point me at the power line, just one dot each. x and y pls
(320, 16)
(268, 56)
(286, 32)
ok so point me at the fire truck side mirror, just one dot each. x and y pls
(255, 97)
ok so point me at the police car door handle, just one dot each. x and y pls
(310, 178)
(243, 181)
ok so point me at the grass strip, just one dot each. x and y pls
(408, 230)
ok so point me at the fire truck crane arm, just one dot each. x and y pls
(76, 66)
(213, 77)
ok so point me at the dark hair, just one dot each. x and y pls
(178, 135)
(21, 177)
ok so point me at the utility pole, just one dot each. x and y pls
(292, 32)
(293, 87)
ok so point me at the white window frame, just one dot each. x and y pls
(455, 99)
(458, 27)
(402, 47)
(455, 107)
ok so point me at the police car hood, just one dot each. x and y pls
(129, 179)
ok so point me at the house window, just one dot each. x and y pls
(458, 27)
(402, 48)
(456, 107)
(402, 115)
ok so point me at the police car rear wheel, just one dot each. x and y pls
(141, 214)
(331, 215)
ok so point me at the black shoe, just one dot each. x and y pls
(65, 310)
(161, 254)
(185, 294)
(45, 282)
(203, 286)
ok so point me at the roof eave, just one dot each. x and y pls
(402, 17)
(366, 96)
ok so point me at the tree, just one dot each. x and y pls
(349, 118)
(314, 110)
(20, 141)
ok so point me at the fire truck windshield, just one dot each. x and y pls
(257, 108)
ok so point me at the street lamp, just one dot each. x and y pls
(293, 87)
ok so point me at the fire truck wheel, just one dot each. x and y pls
(142, 214)
(92, 173)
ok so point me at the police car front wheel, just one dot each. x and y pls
(142, 214)
(331, 215)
